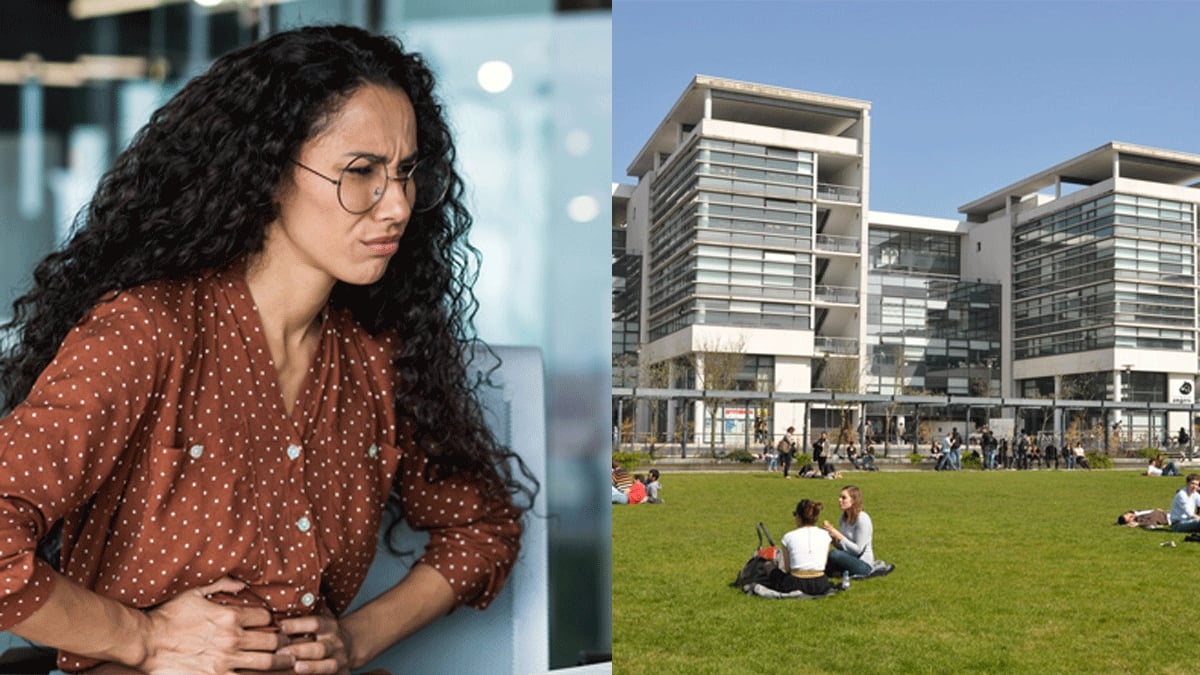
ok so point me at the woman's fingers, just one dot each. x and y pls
(317, 644)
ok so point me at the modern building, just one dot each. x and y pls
(751, 231)
(1097, 256)
(750, 213)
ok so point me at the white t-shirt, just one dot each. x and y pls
(807, 548)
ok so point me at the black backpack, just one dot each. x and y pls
(758, 568)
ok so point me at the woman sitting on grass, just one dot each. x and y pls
(852, 540)
(805, 552)
(1161, 466)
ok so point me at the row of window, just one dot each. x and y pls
(747, 187)
(916, 252)
(1104, 337)
(747, 150)
(1116, 259)
(775, 165)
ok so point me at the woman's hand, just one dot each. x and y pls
(833, 531)
(192, 634)
(318, 643)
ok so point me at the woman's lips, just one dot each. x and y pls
(387, 246)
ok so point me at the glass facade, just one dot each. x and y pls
(927, 331)
(626, 308)
(1117, 271)
(731, 238)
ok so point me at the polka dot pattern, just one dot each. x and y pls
(159, 435)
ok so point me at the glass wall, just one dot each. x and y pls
(926, 330)
(1117, 271)
(527, 86)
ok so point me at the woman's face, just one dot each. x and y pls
(845, 501)
(313, 231)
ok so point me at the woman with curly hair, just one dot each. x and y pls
(254, 344)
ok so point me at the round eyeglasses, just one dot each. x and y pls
(364, 180)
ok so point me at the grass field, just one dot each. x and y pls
(998, 572)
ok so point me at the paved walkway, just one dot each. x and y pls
(895, 463)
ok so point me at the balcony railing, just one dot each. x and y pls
(836, 345)
(841, 295)
(837, 244)
(839, 193)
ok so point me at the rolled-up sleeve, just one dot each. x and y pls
(65, 439)
(473, 540)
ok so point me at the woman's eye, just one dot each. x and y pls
(360, 170)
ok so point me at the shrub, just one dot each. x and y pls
(972, 462)
(1148, 453)
(739, 456)
(1099, 461)
(802, 459)
(630, 460)
(915, 457)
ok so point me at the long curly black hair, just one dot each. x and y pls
(197, 188)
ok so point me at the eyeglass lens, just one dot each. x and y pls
(364, 181)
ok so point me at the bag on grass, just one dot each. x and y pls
(759, 566)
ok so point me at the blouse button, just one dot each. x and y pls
(372, 451)
(195, 451)
(304, 524)
(308, 599)
(293, 451)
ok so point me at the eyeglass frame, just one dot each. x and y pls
(387, 180)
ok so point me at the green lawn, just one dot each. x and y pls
(996, 572)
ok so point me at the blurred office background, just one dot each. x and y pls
(527, 84)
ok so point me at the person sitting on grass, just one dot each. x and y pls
(868, 459)
(637, 489)
(1183, 506)
(852, 454)
(805, 552)
(853, 548)
(1081, 458)
(621, 481)
(939, 451)
(652, 488)
(1161, 466)
(1149, 519)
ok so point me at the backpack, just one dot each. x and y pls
(784, 447)
(758, 568)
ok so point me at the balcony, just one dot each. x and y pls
(836, 345)
(837, 295)
(836, 244)
(839, 193)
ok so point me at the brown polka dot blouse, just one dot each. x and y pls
(159, 435)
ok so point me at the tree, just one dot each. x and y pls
(654, 376)
(624, 369)
(843, 376)
(717, 364)
(900, 381)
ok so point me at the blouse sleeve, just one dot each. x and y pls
(61, 443)
(863, 531)
(473, 539)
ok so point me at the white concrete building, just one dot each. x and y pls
(749, 231)
(1097, 257)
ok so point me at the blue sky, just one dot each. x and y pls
(967, 96)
